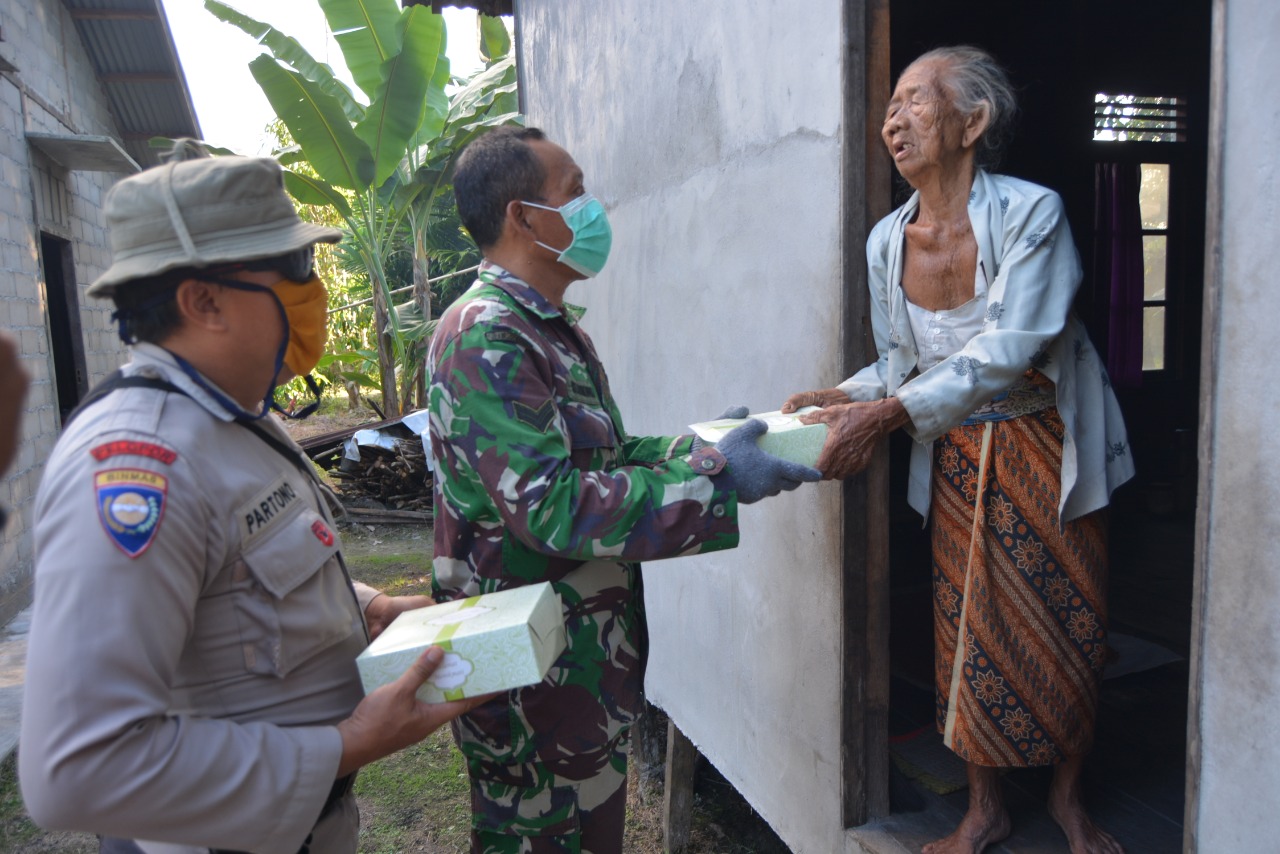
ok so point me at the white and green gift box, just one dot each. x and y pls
(492, 642)
(787, 437)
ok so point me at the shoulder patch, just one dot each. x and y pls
(130, 506)
(539, 419)
(136, 449)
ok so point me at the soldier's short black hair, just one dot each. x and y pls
(496, 169)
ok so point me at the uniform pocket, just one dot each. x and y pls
(291, 596)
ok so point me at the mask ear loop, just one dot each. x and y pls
(314, 388)
(560, 253)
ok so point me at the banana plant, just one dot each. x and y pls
(486, 100)
(355, 145)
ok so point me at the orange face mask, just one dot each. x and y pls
(306, 305)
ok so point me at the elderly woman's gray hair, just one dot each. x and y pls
(973, 77)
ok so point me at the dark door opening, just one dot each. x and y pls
(65, 339)
(1064, 57)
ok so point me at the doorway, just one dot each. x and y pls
(65, 339)
(1075, 65)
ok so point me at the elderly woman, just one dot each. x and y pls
(1019, 440)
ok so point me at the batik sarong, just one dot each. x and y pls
(1019, 608)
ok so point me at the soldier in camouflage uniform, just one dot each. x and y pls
(536, 480)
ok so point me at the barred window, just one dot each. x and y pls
(1139, 118)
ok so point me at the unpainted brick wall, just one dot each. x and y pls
(54, 90)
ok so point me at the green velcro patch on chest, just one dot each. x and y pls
(539, 419)
(503, 336)
(582, 391)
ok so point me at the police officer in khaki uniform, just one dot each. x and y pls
(191, 680)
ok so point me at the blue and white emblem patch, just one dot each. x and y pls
(130, 506)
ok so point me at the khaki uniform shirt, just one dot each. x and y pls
(194, 631)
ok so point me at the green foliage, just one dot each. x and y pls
(316, 120)
(382, 169)
(400, 104)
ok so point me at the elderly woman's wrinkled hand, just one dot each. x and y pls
(853, 431)
(822, 397)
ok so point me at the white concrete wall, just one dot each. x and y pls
(711, 133)
(54, 90)
(1239, 640)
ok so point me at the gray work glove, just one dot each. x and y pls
(757, 474)
(738, 411)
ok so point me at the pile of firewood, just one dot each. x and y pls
(383, 486)
(397, 480)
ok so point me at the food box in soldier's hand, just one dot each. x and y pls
(493, 642)
(787, 438)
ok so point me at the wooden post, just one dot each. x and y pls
(866, 197)
(648, 747)
(677, 802)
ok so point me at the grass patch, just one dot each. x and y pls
(416, 800)
(15, 828)
(19, 835)
(395, 575)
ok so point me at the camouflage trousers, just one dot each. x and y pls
(527, 809)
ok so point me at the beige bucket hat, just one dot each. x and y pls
(199, 213)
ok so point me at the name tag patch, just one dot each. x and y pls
(266, 507)
(130, 506)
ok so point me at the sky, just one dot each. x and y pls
(215, 56)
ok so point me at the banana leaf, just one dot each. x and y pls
(361, 379)
(412, 327)
(495, 42)
(397, 109)
(437, 102)
(367, 35)
(313, 191)
(349, 357)
(482, 88)
(289, 155)
(288, 50)
(317, 123)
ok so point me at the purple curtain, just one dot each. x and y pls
(1118, 267)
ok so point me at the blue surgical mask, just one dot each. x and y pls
(592, 235)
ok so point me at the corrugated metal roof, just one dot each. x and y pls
(131, 48)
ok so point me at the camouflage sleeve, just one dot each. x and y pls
(650, 450)
(551, 475)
